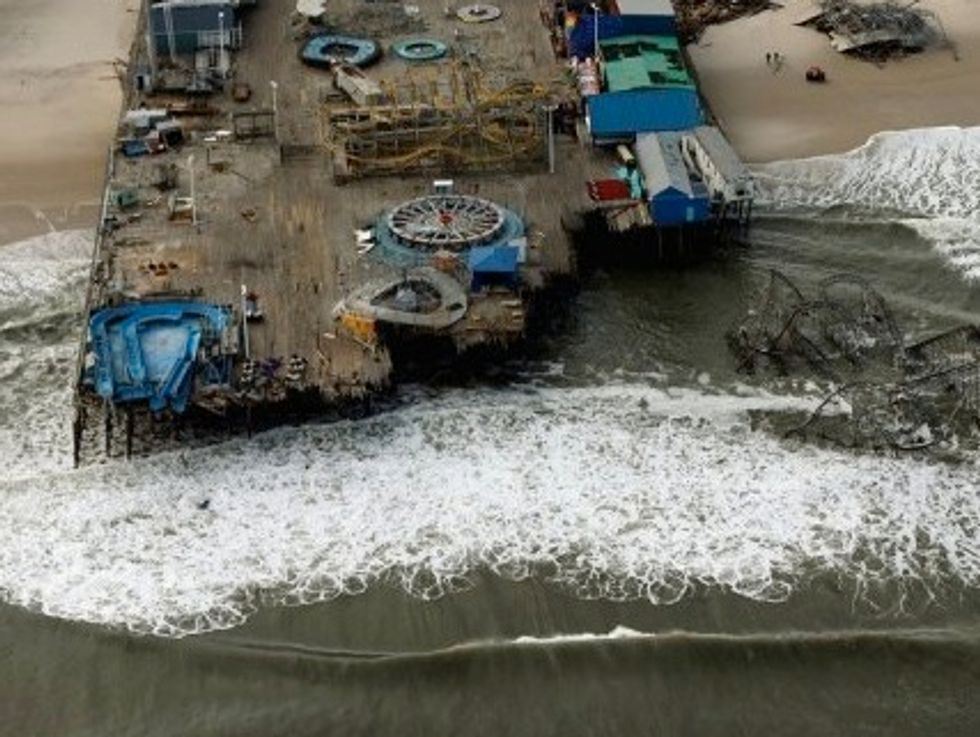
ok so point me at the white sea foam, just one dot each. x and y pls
(620, 492)
(928, 178)
(36, 408)
(957, 239)
(618, 632)
(44, 268)
(41, 288)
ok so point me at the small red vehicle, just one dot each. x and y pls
(815, 74)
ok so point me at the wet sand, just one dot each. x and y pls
(771, 115)
(60, 95)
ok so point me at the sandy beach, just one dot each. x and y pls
(60, 96)
(778, 115)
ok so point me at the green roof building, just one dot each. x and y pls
(637, 62)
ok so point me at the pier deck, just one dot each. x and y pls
(284, 199)
(271, 218)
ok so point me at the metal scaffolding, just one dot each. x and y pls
(898, 395)
(445, 119)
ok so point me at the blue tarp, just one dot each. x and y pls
(133, 147)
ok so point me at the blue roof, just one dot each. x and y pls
(581, 38)
(493, 260)
(624, 114)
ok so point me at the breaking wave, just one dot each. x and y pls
(42, 272)
(620, 492)
(928, 179)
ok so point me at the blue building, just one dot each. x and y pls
(675, 198)
(646, 88)
(619, 116)
(626, 18)
(493, 266)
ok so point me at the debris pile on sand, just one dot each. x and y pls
(377, 19)
(874, 31)
(693, 16)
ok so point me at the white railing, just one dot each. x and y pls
(212, 39)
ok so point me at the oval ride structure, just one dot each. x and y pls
(420, 49)
(422, 298)
(326, 49)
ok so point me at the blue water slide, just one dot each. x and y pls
(137, 358)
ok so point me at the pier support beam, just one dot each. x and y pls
(129, 433)
(77, 434)
(108, 429)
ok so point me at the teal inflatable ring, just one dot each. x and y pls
(420, 49)
(325, 50)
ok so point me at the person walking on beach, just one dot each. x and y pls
(768, 59)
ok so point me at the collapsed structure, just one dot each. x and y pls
(694, 16)
(873, 30)
(898, 395)
(444, 120)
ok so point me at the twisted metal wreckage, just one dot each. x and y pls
(904, 396)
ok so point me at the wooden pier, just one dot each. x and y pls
(250, 204)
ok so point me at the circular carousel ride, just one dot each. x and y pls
(453, 222)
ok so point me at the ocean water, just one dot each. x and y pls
(926, 181)
(42, 291)
(614, 542)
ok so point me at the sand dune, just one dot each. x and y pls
(779, 115)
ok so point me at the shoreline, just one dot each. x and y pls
(52, 181)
